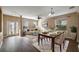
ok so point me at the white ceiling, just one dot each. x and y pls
(34, 11)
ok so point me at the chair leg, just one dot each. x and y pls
(63, 44)
(41, 41)
(60, 48)
(38, 41)
(49, 39)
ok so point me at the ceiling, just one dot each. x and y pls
(34, 11)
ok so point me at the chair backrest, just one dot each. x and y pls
(60, 39)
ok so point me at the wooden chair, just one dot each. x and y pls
(60, 40)
(43, 38)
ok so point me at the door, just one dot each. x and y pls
(13, 28)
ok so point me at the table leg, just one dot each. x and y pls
(52, 44)
(60, 48)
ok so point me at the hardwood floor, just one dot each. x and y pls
(17, 44)
(73, 46)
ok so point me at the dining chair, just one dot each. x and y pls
(60, 40)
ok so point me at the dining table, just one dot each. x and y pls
(49, 35)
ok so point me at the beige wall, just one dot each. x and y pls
(73, 19)
(1, 25)
(0, 20)
(51, 23)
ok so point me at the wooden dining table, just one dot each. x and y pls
(51, 36)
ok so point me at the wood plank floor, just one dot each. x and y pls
(17, 44)
(73, 46)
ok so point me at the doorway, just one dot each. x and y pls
(13, 28)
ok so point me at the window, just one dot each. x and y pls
(64, 22)
(61, 24)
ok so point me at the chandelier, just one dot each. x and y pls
(51, 12)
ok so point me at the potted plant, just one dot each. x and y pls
(73, 29)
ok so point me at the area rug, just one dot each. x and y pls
(46, 46)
